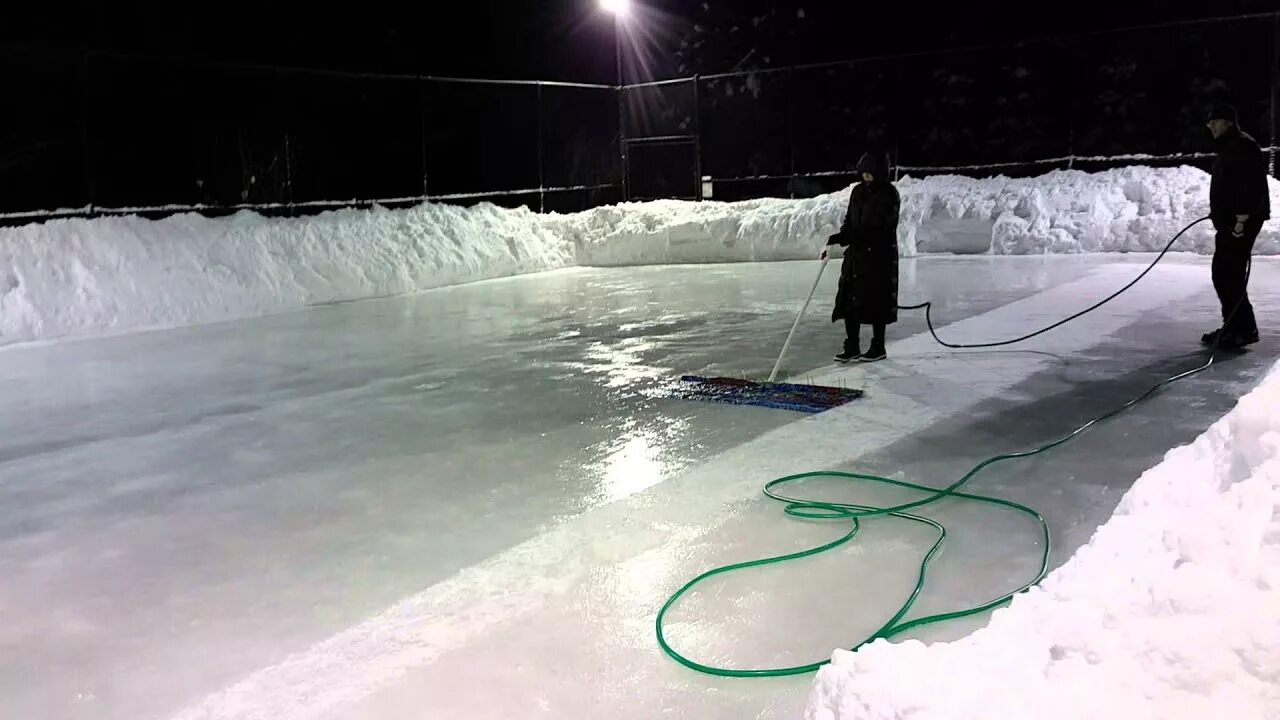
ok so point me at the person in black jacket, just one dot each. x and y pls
(868, 293)
(1239, 203)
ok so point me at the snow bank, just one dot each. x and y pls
(1131, 209)
(82, 277)
(75, 277)
(672, 231)
(1127, 210)
(1143, 622)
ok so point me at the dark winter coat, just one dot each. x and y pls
(868, 291)
(1239, 184)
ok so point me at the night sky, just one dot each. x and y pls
(158, 104)
(565, 39)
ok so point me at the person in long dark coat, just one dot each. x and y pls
(1239, 204)
(868, 293)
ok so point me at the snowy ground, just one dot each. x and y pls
(461, 504)
(1168, 613)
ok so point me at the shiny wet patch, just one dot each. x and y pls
(780, 396)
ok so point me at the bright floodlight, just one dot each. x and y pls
(621, 8)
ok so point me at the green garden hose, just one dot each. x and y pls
(853, 514)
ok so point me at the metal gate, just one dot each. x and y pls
(662, 168)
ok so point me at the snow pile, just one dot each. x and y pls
(672, 231)
(79, 277)
(1144, 622)
(74, 277)
(1131, 209)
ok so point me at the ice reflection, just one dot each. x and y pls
(622, 363)
(637, 459)
(630, 469)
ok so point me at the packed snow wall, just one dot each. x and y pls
(1169, 612)
(84, 277)
(66, 278)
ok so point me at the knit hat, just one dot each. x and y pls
(1224, 112)
(875, 163)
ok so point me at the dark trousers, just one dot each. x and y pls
(1230, 278)
(853, 332)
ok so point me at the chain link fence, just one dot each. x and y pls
(98, 133)
(1090, 102)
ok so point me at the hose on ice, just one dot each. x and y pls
(853, 514)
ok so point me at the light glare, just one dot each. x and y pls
(620, 8)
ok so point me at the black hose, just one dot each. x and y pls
(928, 306)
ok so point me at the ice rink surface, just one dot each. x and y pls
(465, 503)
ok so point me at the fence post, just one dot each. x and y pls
(86, 160)
(697, 137)
(622, 142)
(791, 131)
(1073, 54)
(421, 88)
(896, 120)
(288, 172)
(542, 193)
(288, 147)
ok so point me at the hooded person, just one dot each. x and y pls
(1239, 203)
(868, 293)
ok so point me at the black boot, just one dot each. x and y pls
(851, 353)
(875, 353)
(852, 342)
(1237, 340)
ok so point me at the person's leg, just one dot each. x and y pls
(1221, 274)
(876, 351)
(853, 333)
(1230, 280)
(852, 341)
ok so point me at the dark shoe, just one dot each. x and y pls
(1237, 341)
(846, 357)
(875, 354)
(1211, 338)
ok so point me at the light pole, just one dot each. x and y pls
(620, 10)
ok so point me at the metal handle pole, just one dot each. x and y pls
(778, 365)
